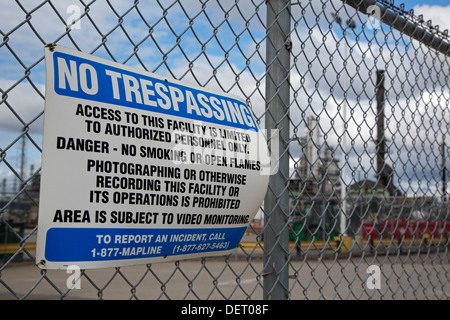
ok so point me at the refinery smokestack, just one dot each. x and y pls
(384, 171)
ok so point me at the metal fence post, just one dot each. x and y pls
(276, 203)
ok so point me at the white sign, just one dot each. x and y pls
(138, 168)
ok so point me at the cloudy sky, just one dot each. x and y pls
(205, 49)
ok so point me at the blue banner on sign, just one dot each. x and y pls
(99, 244)
(90, 80)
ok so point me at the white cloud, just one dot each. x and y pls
(21, 106)
(439, 15)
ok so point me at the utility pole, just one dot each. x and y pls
(444, 172)
(350, 24)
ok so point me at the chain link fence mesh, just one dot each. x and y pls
(359, 91)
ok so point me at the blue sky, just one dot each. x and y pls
(237, 67)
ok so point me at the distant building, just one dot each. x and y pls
(24, 208)
(316, 173)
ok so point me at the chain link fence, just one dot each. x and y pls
(359, 93)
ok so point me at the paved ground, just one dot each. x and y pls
(403, 277)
